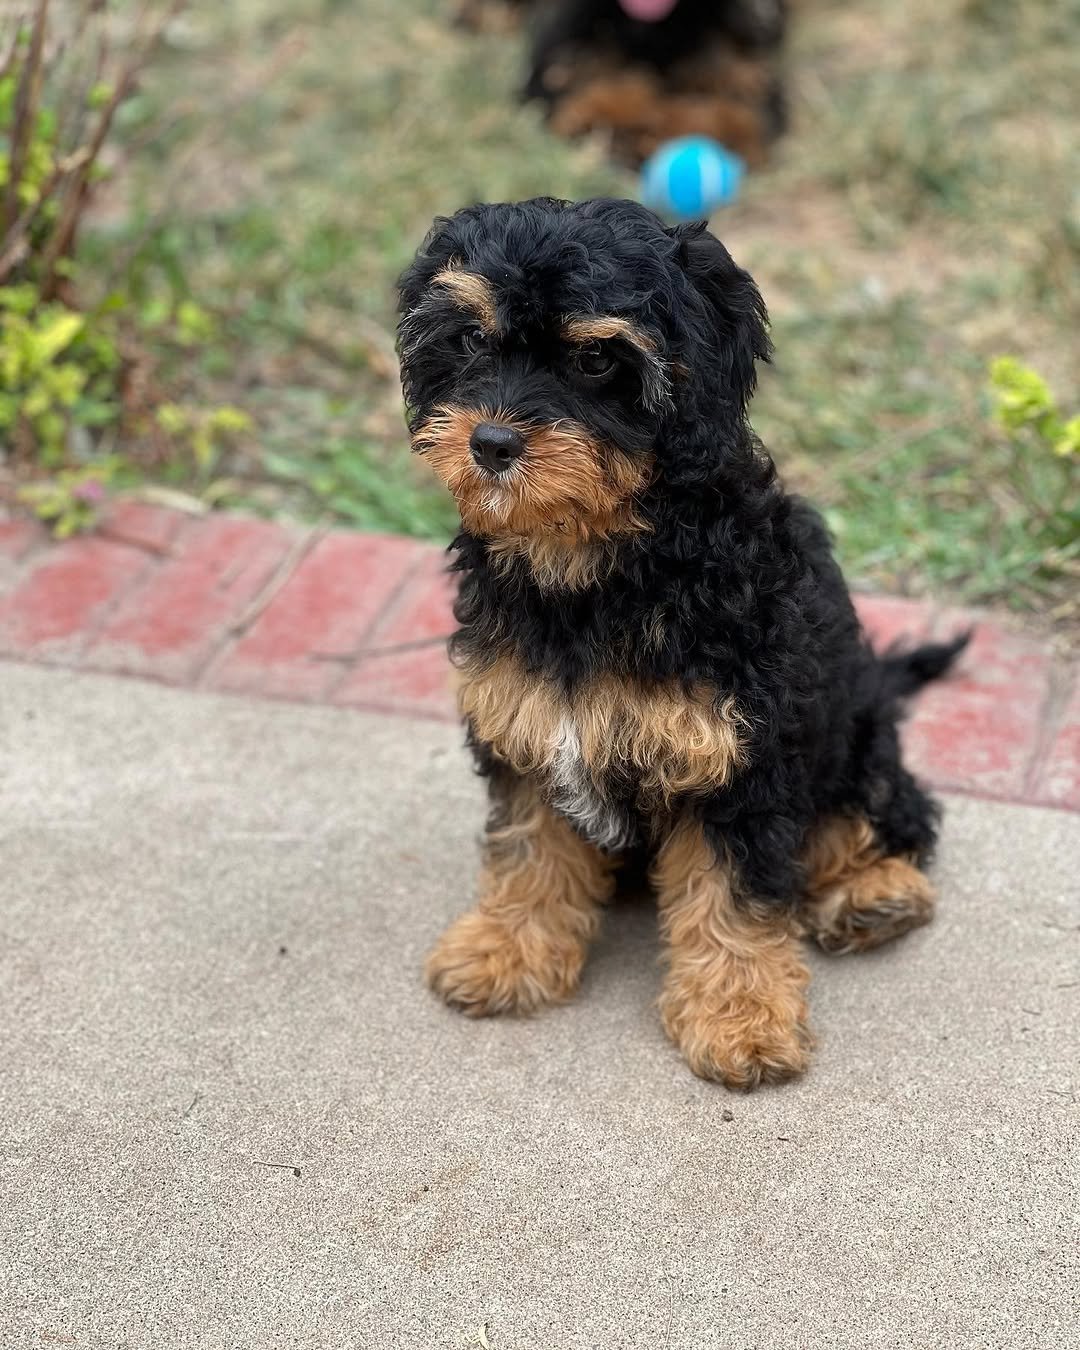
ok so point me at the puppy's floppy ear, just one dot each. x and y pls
(737, 315)
(433, 254)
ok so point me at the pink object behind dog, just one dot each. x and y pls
(648, 11)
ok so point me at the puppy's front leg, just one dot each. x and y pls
(734, 996)
(541, 890)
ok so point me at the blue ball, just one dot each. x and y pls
(690, 177)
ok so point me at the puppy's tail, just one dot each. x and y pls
(905, 672)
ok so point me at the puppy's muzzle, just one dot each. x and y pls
(495, 447)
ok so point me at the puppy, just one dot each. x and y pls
(705, 67)
(656, 650)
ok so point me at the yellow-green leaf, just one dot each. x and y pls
(1068, 440)
(56, 334)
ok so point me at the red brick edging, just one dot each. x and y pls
(248, 606)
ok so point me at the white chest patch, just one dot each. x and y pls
(577, 798)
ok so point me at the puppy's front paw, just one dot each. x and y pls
(742, 1038)
(483, 965)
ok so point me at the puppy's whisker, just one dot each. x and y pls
(463, 475)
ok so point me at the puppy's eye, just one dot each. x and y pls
(593, 363)
(474, 340)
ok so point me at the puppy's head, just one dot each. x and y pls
(558, 358)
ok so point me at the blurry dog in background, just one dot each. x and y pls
(492, 16)
(657, 651)
(703, 67)
(709, 67)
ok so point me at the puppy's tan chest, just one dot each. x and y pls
(656, 738)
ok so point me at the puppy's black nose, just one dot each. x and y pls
(495, 447)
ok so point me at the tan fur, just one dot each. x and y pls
(516, 713)
(642, 112)
(734, 996)
(556, 563)
(857, 898)
(565, 485)
(489, 16)
(670, 739)
(473, 292)
(525, 944)
(583, 328)
(674, 739)
(838, 847)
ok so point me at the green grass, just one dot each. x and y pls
(920, 218)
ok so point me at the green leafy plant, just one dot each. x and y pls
(80, 360)
(203, 430)
(1025, 407)
(57, 373)
(59, 365)
(72, 500)
(1042, 463)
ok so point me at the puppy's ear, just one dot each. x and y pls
(434, 253)
(737, 318)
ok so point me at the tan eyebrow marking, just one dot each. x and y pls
(473, 291)
(597, 327)
(579, 328)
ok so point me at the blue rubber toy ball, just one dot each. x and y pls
(690, 177)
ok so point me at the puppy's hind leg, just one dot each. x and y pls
(857, 895)
(863, 864)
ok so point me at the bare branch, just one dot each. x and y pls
(24, 113)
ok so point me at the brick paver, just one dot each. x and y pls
(416, 681)
(52, 610)
(979, 730)
(891, 618)
(1055, 780)
(143, 525)
(17, 537)
(316, 625)
(422, 611)
(168, 628)
(244, 605)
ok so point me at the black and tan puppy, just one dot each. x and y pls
(656, 648)
(696, 67)
(704, 67)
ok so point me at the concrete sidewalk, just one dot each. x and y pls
(232, 1116)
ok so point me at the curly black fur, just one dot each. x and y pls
(741, 571)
